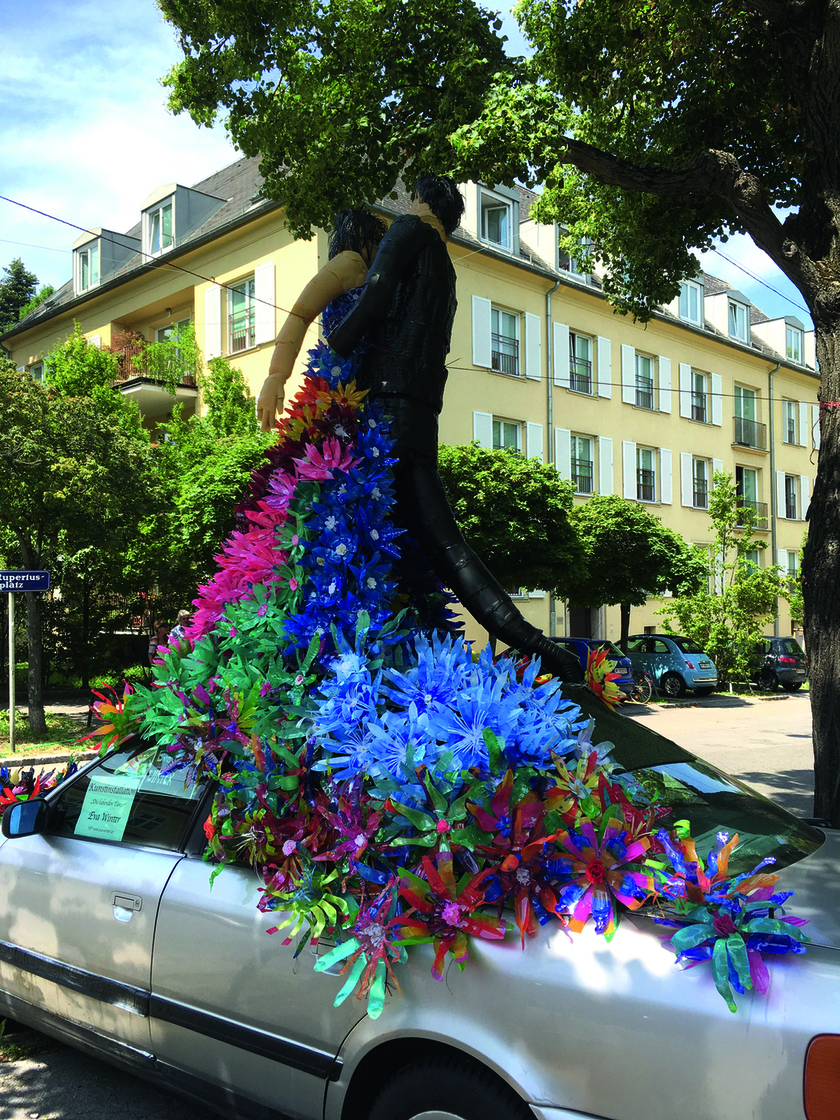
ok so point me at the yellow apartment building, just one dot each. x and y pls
(539, 361)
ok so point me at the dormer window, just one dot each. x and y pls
(738, 321)
(566, 261)
(794, 344)
(87, 267)
(160, 228)
(691, 302)
(496, 220)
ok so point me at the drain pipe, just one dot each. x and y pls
(774, 512)
(549, 435)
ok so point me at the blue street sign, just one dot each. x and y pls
(24, 581)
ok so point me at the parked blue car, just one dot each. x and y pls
(676, 664)
(581, 647)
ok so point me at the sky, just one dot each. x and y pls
(86, 136)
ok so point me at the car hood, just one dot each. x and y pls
(816, 897)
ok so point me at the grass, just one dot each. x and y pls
(62, 732)
(11, 1051)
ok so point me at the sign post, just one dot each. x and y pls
(10, 582)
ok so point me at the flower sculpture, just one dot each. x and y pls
(601, 676)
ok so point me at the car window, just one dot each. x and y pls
(129, 798)
(637, 645)
(712, 802)
(660, 647)
(687, 645)
(612, 650)
(790, 645)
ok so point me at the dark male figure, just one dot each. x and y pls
(405, 313)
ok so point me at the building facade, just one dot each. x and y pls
(539, 362)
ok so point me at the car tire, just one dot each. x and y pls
(703, 691)
(768, 681)
(673, 686)
(447, 1088)
(794, 686)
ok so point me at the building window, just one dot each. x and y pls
(241, 315)
(748, 432)
(738, 321)
(644, 381)
(507, 435)
(36, 371)
(699, 397)
(87, 267)
(580, 363)
(789, 421)
(700, 473)
(496, 220)
(645, 474)
(691, 302)
(583, 467)
(159, 228)
(504, 353)
(794, 344)
(792, 564)
(164, 333)
(751, 558)
(790, 497)
(567, 263)
(746, 488)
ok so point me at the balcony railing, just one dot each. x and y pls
(580, 375)
(646, 485)
(749, 433)
(582, 475)
(242, 333)
(758, 508)
(504, 354)
(644, 392)
(701, 495)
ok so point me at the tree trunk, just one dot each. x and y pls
(821, 573)
(625, 625)
(86, 630)
(35, 642)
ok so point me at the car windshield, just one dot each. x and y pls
(712, 802)
(611, 649)
(687, 645)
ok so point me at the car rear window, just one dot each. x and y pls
(687, 645)
(713, 802)
(790, 645)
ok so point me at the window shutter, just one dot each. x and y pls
(604, 368)
(213, 322)
(717, 467)
(264, 324)
(628, 376)
(481, 331)
(685, 391)
(665, 477)
(803, 424)
(815, 425)
(686, 478)
(717, 400)
(534, 441)
(483, 429)
(781, 504)
(804, 495)
(628, 454)
(560, 354)
(605, 466)
(533, 347)
(782, 558)
(563, 452)
(664, 384)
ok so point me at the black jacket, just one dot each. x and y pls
(406, 312)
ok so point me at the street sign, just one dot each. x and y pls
(24, 581)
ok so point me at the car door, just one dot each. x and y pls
(661, 659)
(79, 900)
(233, 1005)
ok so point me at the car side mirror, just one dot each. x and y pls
(25, 818)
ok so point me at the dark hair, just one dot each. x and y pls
(443, 198)
(355, 230)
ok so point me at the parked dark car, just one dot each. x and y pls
(581, 647)
(781, 661)
(674, 662)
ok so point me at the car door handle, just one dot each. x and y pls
(126, 901)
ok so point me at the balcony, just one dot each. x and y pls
(646, 485)
(582, 475)
(759, 510)
(580, 375)
(504, 354)
(749, 433)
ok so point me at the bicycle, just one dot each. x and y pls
(644, 687)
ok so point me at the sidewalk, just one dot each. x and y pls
(75, 704)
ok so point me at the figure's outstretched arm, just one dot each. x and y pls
(345, 271)
(407, 235)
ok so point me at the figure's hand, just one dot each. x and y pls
(270, 401)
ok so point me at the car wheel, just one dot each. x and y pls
(792, 687)
(447, 1089)
(703, 691)
(768, 681)
(673, 685)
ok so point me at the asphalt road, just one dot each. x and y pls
(766, 742)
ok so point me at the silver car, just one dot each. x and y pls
(112, 939)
